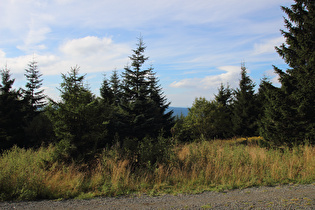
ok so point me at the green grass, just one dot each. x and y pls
(192, 168)
(208, 206)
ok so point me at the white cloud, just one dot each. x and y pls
(274, 78)
(52, 92)
(186, 83)
(92, 54)
(33, 39)
(95, 54)
(87, 46)
(63, 2)
(268, 46)
(26, 20)
(18, 64)
(2, 54)
(209, 82)
(191, 88)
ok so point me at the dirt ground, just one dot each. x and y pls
(280, 197)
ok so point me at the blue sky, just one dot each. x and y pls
(194, 46)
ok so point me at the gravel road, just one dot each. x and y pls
(280, 197)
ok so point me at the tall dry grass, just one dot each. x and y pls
(231, 165)
(194, 167)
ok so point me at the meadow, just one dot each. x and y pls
(190, 168)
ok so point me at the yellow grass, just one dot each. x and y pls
(194, 167)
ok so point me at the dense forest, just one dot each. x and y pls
(132, 114)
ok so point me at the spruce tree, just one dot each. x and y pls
(163, 118)
(109, 106)
(290, 117)
(264, 85)
(224, 95)
(245, 112)
(111, 89)
(77, 119)
(106, 92)
(224, 108)
(32, 95)
(34, 102)
(134, 104)
(115, 86)
(142, 102)
(273, 127)
(11, 113)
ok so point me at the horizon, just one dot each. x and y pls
(193, 46)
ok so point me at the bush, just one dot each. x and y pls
(23, 173)
(147, 152)
(155, 151)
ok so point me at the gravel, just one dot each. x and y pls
(280, 197)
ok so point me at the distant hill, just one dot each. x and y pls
(179, 110)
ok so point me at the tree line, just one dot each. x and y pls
(130, 109)
(281, 115)
(131, 112)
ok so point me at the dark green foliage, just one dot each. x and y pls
(106, 92)
(201, 119)
(273, 125)
(224, 96)
(138, 119)
(180, 131)
(245, 110)
(163, 118)
(115, 87)
(38, 129)
(147, 152)
(142, 104)
(77, 119)
(290, 116)
(205, 119)
(133, 119)
(153, 151)
(11, 113)
(262, 98)
(109, 106)
(224, 107)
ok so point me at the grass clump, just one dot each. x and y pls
(32, 174)
(190, 168)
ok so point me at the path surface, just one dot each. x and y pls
(281, 197)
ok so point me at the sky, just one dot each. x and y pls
(193, 46)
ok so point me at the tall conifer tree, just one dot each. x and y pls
(142, 101)
(38, 128)
(11, 114)
(290, 117)
(224, 95)
(224, 108)
(245, 112)
(109, 106)
(163, 118)
(32, 95)
(106, 92)
(77, 118)
(115, 86)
